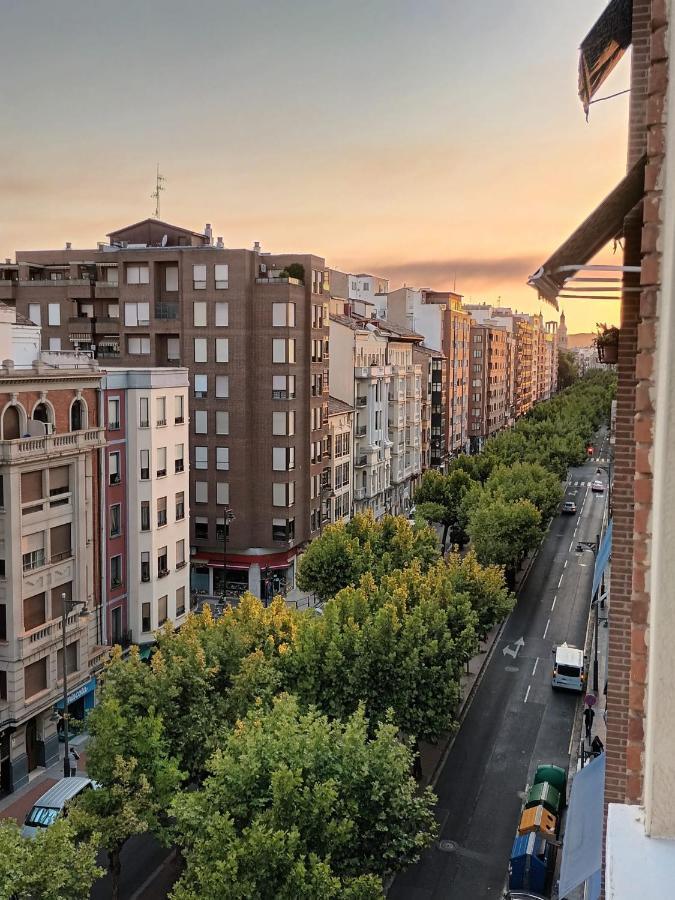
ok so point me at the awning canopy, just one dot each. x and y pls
(582, 846)
(605, 223)
(602, 558)
(603, 47)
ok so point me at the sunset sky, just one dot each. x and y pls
(424, 140)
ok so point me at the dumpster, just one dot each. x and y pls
(539, 820)
(531, 865)
(556, 776)
(544, 794)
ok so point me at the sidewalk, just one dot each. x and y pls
(17, 805)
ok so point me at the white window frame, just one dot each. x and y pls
(201, 421)
(199, 314)
(54, 314)
(222, 314)
(223, 459)
(201, 350)
(222, 276)
(199, 277)
(222, 350)
(223, 386)
(222, 421)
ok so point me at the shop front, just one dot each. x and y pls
(265, 575)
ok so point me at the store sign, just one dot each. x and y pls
(79, 692)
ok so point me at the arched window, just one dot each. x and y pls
(11, 424)
(78, 415)
(41, 413)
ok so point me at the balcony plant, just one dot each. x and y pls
(607, 343)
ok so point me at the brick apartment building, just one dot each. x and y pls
(489, 382)
(254, 338)
(49, 543)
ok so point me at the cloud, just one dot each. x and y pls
(468, 273)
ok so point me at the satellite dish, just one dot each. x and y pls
(164, 240)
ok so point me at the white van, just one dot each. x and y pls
(569, 670)
(54, 803)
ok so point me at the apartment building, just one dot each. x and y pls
(146, 502)
(251, 328)
(422, 358)
(445, 326)
(489, 383)
(364, 293)
(338, 503)
(49, 545)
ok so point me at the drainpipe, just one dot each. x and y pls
(103, 614)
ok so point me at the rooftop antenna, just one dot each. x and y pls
(454, 283)
(159, 187)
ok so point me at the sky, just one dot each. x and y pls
(440, 143)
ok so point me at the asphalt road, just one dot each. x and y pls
(142, 857)
(515, 721)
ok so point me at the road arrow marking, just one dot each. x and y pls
(507, 650)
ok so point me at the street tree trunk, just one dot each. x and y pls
(446, 528)
(115, 868)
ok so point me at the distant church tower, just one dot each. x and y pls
(562, 333)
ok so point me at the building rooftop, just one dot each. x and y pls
(398, 331)
(336, 407)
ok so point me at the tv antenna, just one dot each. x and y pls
(159, 187)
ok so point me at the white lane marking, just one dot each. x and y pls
(546, 629)
(569, 749)
(535, 665)
(527, 693)
(565, 566)
(560, 582)
(571, 545)
(553, 604)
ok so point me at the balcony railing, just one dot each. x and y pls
(51, 445)
(166, 310)
(360, 461)
(361, 401)
(277, 279)
(361, 430)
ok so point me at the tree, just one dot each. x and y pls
(568, 370)
(127, 757)
(50, 866)
(527, 481)
(502, 532)
(297, 806)
(485, 586)
(439, 498)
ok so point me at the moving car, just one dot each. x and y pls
(598, 487)
(569, 507)
(54, 803)
(569, 668)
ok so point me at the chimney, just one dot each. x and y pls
(208, 231)
(8, 261)
(220, 244)
(256, 247)
(100, 245)
(69, 246)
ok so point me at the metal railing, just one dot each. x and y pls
(166, 311)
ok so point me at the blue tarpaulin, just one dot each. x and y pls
(602, 558)
(582, 843)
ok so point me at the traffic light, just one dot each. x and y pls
(589, 451)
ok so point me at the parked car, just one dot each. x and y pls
(598, 487)
(569, 507)
(54, 803)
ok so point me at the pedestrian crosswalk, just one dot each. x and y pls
(581, 483)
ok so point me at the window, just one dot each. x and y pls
(54, 313)
(115, 571)
(115, 520)
(161, 512)
(162, 563)
(138, 275)
(199, 278)
(222, 493)
(201, 528)
(138, 346)
(146, 624)
(201, 457)
(199, 314)
(201, 492)
(34, 611)
(145, 465)
(283, 529)
(143, 412)
(180, 601)
(114, 468)
(223, 458)
(34, 313)
(222, 314)
(222, 386)
(35, 677)
(180, 506)
(222, 276)
(171, 274)
(283, 494)
(145, 565)
(201, 386)
(161, 462)
(283, 315)
(113, 310)
(222, 350)
(201, 353)
(179, 460)
(279, 423)
(180, 554)
(145, 515)
(3, 685)
(3, 622)
(202, 421)
(283, 459)
(54, 344)
(178, 409)
(283, 387)
(161, 410)
(173, 348)
(136, 314)
(279, 350)
(222, 422)
(161, 610)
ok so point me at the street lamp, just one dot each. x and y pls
(228, 516)
(593, 546)
(67, 606)
(266, 576)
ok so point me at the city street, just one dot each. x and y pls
(516, 721)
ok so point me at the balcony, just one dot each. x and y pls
(361, 430)
(361, 402)
(166, 311)
(279, 279)
(58, 282)
(359, 493)
(47, 634)
(360, 461)
(34, 448)
(106, 290)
